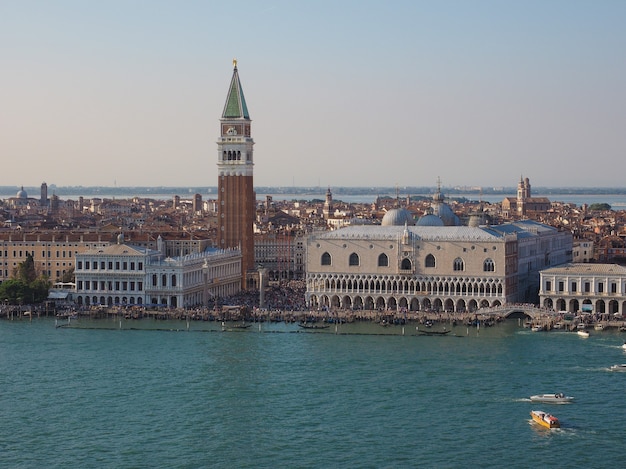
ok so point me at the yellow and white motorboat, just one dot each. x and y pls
(545, 419)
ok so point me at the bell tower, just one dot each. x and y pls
(236, 198)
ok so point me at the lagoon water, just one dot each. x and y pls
(355, 396)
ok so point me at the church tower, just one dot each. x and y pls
(327, 211)
(236, 198)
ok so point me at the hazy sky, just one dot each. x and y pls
(341, 93)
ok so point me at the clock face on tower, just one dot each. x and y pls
(232, 130)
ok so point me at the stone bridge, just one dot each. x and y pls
(531, 311)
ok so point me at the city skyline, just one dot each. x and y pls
(340, 94)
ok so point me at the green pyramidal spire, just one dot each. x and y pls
(235, 107)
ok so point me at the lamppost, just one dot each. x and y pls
(262, 273)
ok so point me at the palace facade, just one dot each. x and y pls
(451, 268)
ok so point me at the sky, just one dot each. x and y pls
(341, 93)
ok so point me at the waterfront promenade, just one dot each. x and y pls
(528, 315)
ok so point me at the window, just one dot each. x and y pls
(587, 287)
(489, 266)
(354, 259)
(430, 261)
(173, 280)
(383, 260)
(600, 287)
(614, 288)
(561, 286)
(405, 264)
(154, 280)
(548, 285)
(573, 287)
(326, 259)
(458, 264)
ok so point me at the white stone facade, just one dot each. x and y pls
(449, 268)
(121, 274)
(594, 288)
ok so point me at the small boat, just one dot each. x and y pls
(309, 325)
(624, 346)
(621, 367)
(581, 326)
(544, 419)
(598, 327)
(430, 332)
(536, 328)
(554, 398)
(582, 333)
(241, 326)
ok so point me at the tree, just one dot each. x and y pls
(14, 291)
(25, 286)
(599, 207)
(26, 270)
(68, 276)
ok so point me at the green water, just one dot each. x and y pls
(191, 396)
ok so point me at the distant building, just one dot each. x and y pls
(582, 251)
(282, 255)
(524, 204)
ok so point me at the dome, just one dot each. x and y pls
(398, 217)
(430, 220)
(21, 194)
(447, 215)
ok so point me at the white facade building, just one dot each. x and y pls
(594, 288)
(122, 274)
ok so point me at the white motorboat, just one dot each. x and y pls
(621, 367)
(582, 333)
(554, 398)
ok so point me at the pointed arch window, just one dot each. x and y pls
(383, 260)
(458, 265)
(489, 265)
(430, 261)
(354, 259)
(326, 260)
(405, 264)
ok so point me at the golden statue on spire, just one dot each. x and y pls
(235, 63)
